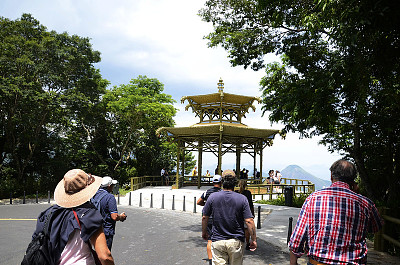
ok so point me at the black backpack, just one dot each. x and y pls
(38, 252)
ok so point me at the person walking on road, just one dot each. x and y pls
(202, 201)
(229, 210)
(334, 222)
(75, 224)
(108, 208)
(247, 194)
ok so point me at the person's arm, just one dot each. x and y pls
(204, 221)
(201, 201)
(98, 240)
(252, 231)
(293, 258)
(118, 217)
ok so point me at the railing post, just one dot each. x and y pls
(173, 202)
(130, 198)
(140, 200)
(118, 199)
(162, 202)
(10, 197)
(271, 188)
(48, 196)
(259, 218)
(151, 200)
(184, 206)
(37, 196)
(194, 205)
(379, 241)
(23, 201)
(289, 229)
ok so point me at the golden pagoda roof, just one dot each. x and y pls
(227, 129)
(204, 101)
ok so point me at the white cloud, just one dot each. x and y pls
(164, 39)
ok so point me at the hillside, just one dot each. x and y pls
(296, 172)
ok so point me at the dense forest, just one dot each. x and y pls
(58, 113)
(338, 75)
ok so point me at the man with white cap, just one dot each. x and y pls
(108, 208)
(230, 211)
(202, 201)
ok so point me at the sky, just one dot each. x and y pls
(163, 39)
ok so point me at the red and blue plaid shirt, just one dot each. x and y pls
(333, 224)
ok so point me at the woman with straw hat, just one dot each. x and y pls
(75, 225)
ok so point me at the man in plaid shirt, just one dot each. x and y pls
(334, 222)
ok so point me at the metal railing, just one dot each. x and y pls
(300, 186)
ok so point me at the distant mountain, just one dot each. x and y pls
(296, 172)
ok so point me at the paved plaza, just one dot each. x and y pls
(161, 236)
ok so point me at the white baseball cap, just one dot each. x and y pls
(108, 181)
(217, 179)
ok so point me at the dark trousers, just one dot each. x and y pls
(109, 239)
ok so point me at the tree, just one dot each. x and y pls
(47, 80)
(135, 111)
(338, 76)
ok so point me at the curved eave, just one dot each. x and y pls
(205, 101)
(216, 97)
(214, 129)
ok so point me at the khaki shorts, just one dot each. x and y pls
(227, 251)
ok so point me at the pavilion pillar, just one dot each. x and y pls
(238, 160)
(220, 151)
(255, 160)
(200, 164)
(183, 160)
(261, 159)
(176, 186)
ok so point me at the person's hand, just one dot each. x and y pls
(204, 235)
(253, 245)
(122, 217)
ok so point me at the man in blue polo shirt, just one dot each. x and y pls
(108, 208)
(202, 201)
(230, 210)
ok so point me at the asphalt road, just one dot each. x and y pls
(148, 236)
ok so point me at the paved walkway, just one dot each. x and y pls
(274, 219)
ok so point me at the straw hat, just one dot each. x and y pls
(228, 172)
(76, 188)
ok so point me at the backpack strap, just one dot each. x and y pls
(47, 222)
(76, 217)
(104, 193)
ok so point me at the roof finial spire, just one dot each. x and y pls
(220, 85)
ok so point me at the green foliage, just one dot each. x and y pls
(46, 80)
(135, 112)
(298, 200)
(338, 76)
(56, 114)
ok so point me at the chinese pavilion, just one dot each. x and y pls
(220, 130)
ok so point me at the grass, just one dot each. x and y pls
(124, 190)
(297, 200)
